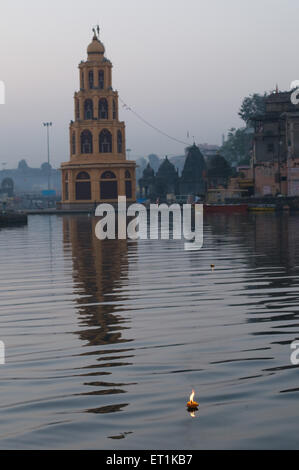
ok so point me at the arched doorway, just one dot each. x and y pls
(83, 187)
(108, 185)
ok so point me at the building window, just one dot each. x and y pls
(73, 143)
(86, 142)
(82, 80)
(90, 79)
(108, 189)
(105, 141)
(108, 185)
(127, 174)
(129, 189)
(88, 109)
(108, 175)
(83, 187)
(114, 109)
(270, 148)
(119, 142)
(103, 109)
(101, 79)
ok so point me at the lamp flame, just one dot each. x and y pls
(192, 405)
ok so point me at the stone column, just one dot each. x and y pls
(95, 101)
(72, 187)
(110, 107)
(94, 187)
(81, 107)
(121, 182)
(78, 142)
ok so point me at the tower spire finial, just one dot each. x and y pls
(96, 32)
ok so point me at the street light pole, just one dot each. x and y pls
(47, 125)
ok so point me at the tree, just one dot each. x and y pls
(237, 147)
(252, 105)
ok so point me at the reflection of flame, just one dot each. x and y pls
(192, 414)
(192, 396)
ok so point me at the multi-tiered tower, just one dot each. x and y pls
(98, 170)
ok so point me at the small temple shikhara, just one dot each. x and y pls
(98, 170)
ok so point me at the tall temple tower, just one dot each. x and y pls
(98, 170)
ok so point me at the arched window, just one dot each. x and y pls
(105, 141)
(86, 142)
(101, 79)
(114, 109)
(108, 185)
(66, 176)
(103, 109)
(119, 142)
(73, 143)
(90, 79)
(83, 187)
(88, 109)
(127, 174)
(77, 112)
(83, 175)
(108, 175)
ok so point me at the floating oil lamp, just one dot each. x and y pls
(192, 405)
(213, 267)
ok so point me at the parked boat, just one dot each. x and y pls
(262, 208)
(8, 219)
(225, 208)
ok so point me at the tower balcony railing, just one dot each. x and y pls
(102, 120)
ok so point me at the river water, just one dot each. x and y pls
(106, 339)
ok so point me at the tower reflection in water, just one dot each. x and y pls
(100, 270)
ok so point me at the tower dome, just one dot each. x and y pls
(96, 48)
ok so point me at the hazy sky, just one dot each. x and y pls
(183, 65)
